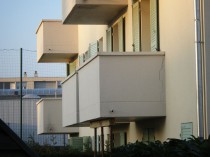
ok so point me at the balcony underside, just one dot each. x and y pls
(56, 57)
(117, 120)
(92, 11)
(121, 86)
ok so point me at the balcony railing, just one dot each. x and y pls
(42, 92)
(123, 86)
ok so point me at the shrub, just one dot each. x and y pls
(194, 147)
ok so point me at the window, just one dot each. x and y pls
(116, 36)
(59, 84)
(44, 84)
(148, 135)
(120, 139)
(24, 85)
(186, 130)
(7, 85)
(145, 26)
(1, 85)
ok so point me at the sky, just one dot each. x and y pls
(19, 22)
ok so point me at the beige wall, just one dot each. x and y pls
(60, 38)
(54, 38)
(89, 34)
(128, 28)
(177, 39)
(145, 19)
(40, 41)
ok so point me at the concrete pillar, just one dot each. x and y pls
(95, 142)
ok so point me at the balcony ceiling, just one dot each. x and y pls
(56, 57)
(97, 12)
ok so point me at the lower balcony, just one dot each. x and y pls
(49, 117)
(120, 86)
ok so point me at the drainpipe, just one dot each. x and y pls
(200, 68)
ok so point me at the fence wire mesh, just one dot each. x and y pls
(10, 65)
(39, 80)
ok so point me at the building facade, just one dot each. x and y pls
(138, 71)
(34, 88)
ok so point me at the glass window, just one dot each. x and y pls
(148, 135)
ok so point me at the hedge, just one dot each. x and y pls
(193, 147)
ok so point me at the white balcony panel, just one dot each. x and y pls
(89, 91)
(56, 42)
(69, 101)
(124, 86)
(92, 11)
(49, 117)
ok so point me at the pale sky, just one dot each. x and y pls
(19, 21)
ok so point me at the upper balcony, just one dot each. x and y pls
(56, 42)
(120, 86)
(92, 11)
(49, 117)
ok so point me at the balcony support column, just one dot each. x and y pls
(102, 141)
(111, 138)
(95, 142)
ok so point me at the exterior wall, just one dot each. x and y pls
(180, 68)
(89, 34)
(128, 28)
(177, 40)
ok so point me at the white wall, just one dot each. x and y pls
(69, 101)
(177, 39)
(49, 113)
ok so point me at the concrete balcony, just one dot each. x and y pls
(120, 86)
(56, 42)
(49, 117)
(92, 11)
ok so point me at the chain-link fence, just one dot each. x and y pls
(38, 80)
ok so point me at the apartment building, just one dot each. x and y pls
(138, 69)
(33, 89)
